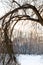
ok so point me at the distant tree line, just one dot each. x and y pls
(27, 47)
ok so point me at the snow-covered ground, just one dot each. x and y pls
(30, 59)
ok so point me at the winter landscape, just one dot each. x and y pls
(21, 32)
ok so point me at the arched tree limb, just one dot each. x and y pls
(16, 18)
(26, 6)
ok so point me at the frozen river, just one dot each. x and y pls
(30, 59)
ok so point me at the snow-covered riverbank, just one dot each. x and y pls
(30, 59)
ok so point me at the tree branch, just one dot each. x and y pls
(26, 6)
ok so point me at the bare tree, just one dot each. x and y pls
(9, 18)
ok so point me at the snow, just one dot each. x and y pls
(30, 59)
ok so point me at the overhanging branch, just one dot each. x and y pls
(26, 6)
